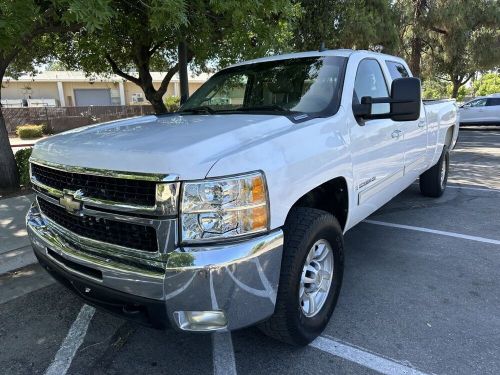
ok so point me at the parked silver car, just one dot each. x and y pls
(481, 111)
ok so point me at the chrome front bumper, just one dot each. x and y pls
(240, 279)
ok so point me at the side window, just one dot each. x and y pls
(492, 102)
(396, 70)
(370, 82)
(478, 103)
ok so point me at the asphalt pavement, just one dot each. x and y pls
(420, 296)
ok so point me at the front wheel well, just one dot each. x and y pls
(331, 196)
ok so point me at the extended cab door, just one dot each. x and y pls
(414, 134)
(376, 144)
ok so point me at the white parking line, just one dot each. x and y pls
(363, 357)
(434, 231)
(223, 354)
(72, 342)
(473, 188)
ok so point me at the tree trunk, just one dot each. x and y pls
(9, 176)
(456, 87)
(183, 74)
(157, 104)
(416, 43)
(416, 52)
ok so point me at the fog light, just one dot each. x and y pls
(200, 320)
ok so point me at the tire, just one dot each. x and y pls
(433, 182)
(305, 228)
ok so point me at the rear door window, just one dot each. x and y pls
(396, 70)
(492, 102)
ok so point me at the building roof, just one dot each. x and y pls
(79, 76)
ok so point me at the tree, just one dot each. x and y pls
(413, 27)
(25, 29)
(358, 24)
(143, 36)
(464, 38)
(487, 84)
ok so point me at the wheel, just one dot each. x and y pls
(433, 181)
(311, 277)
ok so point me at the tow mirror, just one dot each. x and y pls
(405, 101)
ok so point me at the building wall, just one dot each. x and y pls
(132, 88)
(39, 90)
(69, 93)
(48, 90)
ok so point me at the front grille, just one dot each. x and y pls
(135, 236)
(112, 189)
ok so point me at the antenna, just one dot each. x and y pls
(322, 47)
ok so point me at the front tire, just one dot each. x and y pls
(311, 277)
(433, 181)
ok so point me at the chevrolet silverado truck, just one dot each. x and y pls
(231, 211)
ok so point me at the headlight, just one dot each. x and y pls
(224, 208)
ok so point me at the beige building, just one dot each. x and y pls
(73, 88)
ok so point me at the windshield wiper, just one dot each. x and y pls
(271, 107)
(200, 109)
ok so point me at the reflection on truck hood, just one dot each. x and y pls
(186, 145)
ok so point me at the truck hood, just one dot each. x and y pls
(185, 145)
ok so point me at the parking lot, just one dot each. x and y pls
(421, 295)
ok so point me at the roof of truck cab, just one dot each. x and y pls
(330, 52)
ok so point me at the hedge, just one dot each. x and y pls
(23, 165)
(172, 103)
(29, 131)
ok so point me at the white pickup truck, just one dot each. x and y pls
(231, 212)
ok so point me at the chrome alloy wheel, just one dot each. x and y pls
(316, 279)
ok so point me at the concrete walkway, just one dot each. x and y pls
(15, 248)
(17, 143)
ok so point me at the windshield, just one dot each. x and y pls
(308, 85)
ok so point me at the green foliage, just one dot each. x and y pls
(359, 24)
(461, 94)
(143, 36)
(26, 27)
(436, 89)
(487, 84)
(462, 39)
(433, 89)
(172, 103)
(29, 131)
(46, 129)
(23, 166)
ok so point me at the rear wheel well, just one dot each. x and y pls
(449, 137)
(331, 196)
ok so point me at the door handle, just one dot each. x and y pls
(421, 124)
(396, 133)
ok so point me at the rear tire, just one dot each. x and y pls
(307, 296)
(433, 181)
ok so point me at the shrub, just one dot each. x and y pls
(23, 165)
(29, 131)
(46, 129)
(172, 103)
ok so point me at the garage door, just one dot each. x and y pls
(86, 97)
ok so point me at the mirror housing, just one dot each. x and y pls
(405, 102)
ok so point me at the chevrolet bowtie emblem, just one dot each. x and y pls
(70, 203)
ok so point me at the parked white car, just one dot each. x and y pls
(481, 111)
(232, 211)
